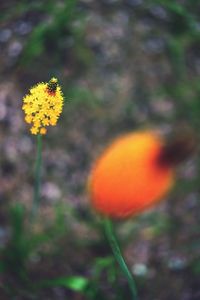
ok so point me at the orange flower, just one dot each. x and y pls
(133, 173)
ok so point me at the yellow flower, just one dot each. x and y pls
(43, 106)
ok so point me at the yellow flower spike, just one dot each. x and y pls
(43, 106)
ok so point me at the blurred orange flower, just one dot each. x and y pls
(129, 177)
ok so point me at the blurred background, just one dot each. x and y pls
(122, 65)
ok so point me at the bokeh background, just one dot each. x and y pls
(122, 65)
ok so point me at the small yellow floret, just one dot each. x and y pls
(43, 130)
(43, 106)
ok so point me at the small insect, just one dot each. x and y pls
(52, 86)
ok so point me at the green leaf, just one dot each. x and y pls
(75, 283)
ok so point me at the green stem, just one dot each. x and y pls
(38, 164)
(118, 256)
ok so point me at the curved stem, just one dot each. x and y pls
(38, 164)
(118, 256)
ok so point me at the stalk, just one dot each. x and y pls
(37, 178)
(109, 230)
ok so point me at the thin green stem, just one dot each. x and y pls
(118, 256)
(37, 178)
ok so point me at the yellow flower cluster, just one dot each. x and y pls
(43, 106)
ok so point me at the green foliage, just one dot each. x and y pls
(77, 96)
(46, 36)
(24, 241)
(18, 249)
(107, 264)
(61, 31)
(102, 268)
(58, 34)
(75, 283)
